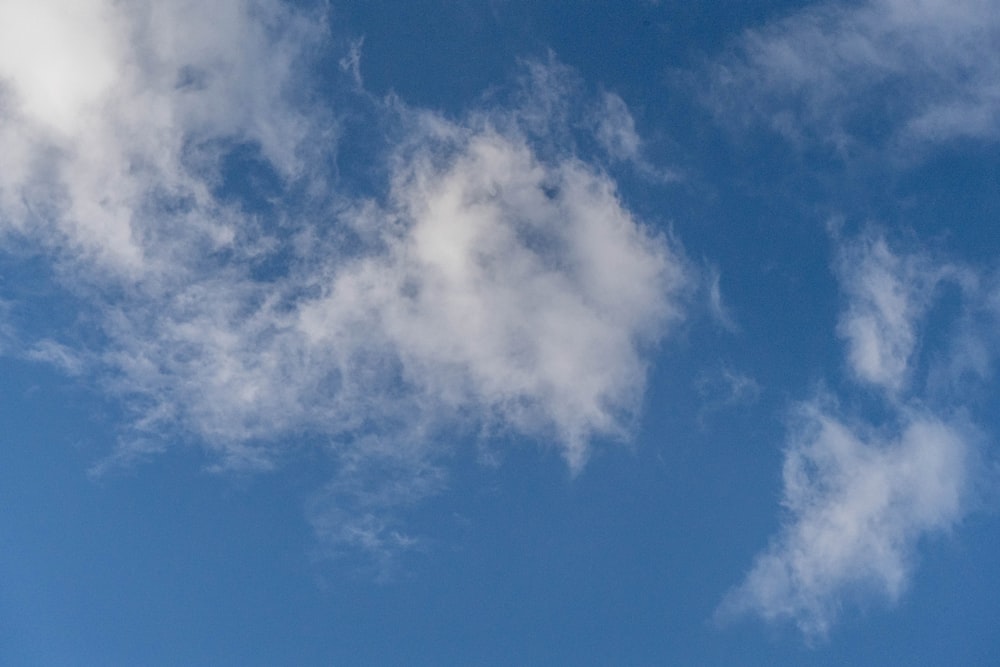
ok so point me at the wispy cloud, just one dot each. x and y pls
(860, 496)
(717, 306)
(886, 78)
(616, 129)
(58, 355)
(886, 296)
(351, 63)
(615, 132)
(857, 503)
(888, 72)
(724, 388)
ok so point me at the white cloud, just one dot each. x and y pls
(717, 306)
(616, 134)
(859, 498)
(351, 63)
(61, 58)
(886, 297)
(894, 75)
(111, 115)
(519, 290)
(901, 71)
(968, 365)
(520, 287)
(58, 355)
(616, 129)
(115, 121)
(360, 509)
(500, 292)
(500, 286)
(857, 504)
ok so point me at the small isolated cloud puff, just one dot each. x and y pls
(857, 504)
(886, 297)
(907, 71)
(350, 63)
(717, 306)
(616, 130)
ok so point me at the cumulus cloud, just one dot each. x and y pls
(524, 287)
(893, 71)
(857, 504)
(499, 286)
(522, 291)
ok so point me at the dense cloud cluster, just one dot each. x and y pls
(491, 288)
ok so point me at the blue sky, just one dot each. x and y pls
(494, 332)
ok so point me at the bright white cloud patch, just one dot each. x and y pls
(521, 288)
(61, 58)
(112, 116)
(858, 502)
(897, 69)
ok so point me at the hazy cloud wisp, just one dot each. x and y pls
(885, 71)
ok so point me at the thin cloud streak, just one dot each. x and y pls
(892, 73)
